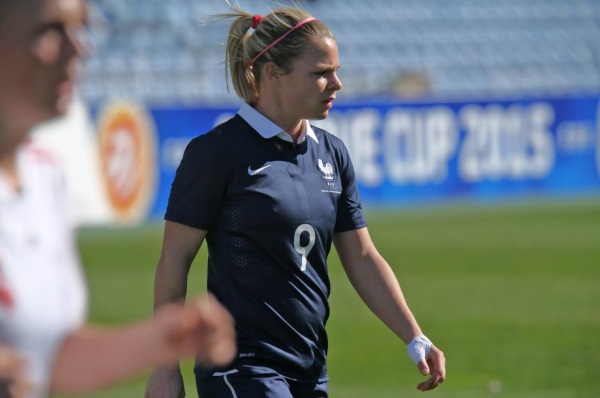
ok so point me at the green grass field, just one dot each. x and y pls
(511, 294)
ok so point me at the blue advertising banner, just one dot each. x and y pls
(431, 152)
(406, 153)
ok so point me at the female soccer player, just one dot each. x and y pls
(270, 193)
(42, 292)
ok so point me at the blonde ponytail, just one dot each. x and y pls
(243, 45)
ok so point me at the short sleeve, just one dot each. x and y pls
(349, 212)
(200, 183)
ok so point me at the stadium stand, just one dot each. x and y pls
(158, 53)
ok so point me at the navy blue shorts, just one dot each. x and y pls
(256, 382)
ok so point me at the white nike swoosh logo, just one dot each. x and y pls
(254, 172)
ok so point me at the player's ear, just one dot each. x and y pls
(271, 71)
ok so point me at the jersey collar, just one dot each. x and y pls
(267, 129)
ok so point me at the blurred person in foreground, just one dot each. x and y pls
(270, 193)
(42, 289)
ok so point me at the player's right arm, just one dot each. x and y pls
(179, 247)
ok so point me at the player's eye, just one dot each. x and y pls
(52, 27)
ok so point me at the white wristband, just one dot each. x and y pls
(418, 348)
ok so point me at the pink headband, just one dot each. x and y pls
(283, 36)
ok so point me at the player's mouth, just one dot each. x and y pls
(329, 102)
(64, 92)
(65, 86)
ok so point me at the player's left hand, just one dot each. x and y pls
(430, 360)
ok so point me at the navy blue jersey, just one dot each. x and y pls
(270, 208)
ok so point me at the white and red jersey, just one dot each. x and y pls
(42, 291)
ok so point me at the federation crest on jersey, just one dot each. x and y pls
(326, 169)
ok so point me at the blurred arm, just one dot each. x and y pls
(94, 357)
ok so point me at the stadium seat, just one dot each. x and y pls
(466, 47)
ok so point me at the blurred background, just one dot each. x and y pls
(441, 101)
(474, 129)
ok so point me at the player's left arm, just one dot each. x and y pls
(377, 285)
